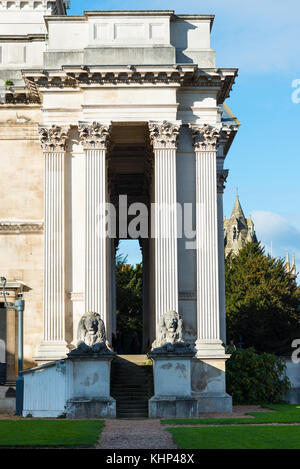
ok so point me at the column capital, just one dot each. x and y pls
(94, 135)
(53, 139)
(164, 135)
(222, 175)
(205, 137)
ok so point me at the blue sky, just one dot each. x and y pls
(261, 38)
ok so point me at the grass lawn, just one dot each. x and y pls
(285, 413)
(275, 437)
(50, 432)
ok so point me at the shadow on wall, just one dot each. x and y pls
(182, 40)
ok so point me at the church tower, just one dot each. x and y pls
(238, 230)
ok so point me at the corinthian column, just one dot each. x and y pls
(222, 175)
(205, 139)
(164, 140)
(54, 346)
(94, 138)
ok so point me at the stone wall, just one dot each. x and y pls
(21, 215)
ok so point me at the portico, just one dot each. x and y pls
(141, 120)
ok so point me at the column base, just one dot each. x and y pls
(83, 408)
(209, 348)
(216, 403)
(51, 351)
(209, 384)
(172, 407)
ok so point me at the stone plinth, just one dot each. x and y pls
(172, 386)
(7, 400)
(78, 387)
(208, 383)
(90, 387)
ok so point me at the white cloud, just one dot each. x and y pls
(277, 233)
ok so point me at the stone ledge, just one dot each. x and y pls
(172, 407)
(213, 403)
(100, 407)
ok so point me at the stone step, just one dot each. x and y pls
(130, 416)
(134, 385)
(126, 405)
(126, 373)
(130, 392)
(134, 359)
(133, 400)
(128, 387)
(131, 385)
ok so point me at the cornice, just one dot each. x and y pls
(21, 227)
(179, 75)
(95, 76)
(23, 37)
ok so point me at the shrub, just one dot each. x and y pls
(254, 378)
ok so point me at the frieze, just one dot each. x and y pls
(19, 227)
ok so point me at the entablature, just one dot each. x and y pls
(181, 75)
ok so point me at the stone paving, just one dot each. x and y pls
(135, 434)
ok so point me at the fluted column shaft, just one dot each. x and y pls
(94, 138)
(53, 142)
(222, 175)
(208, 304)
(164, 140)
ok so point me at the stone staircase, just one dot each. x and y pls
(131, 385)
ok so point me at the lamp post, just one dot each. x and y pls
(19, 306)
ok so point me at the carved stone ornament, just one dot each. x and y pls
(205, 138)
(53, 139)
(222, 176)
(170, 334)
(91, 336)
(164, 135)
(94, 136)
(16, 227)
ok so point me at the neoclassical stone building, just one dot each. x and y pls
(94, 107)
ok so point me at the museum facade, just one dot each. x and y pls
(123, 109)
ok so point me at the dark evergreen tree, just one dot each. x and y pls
(262, 301)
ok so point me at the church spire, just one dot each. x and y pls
(237, 211)
(287, 262)
(293, 267)
(238, 230)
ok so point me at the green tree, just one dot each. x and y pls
(129, 283)
(262, 301)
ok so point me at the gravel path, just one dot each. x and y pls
(135, 434)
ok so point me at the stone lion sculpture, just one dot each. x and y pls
(170, 332)
(91, 334)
